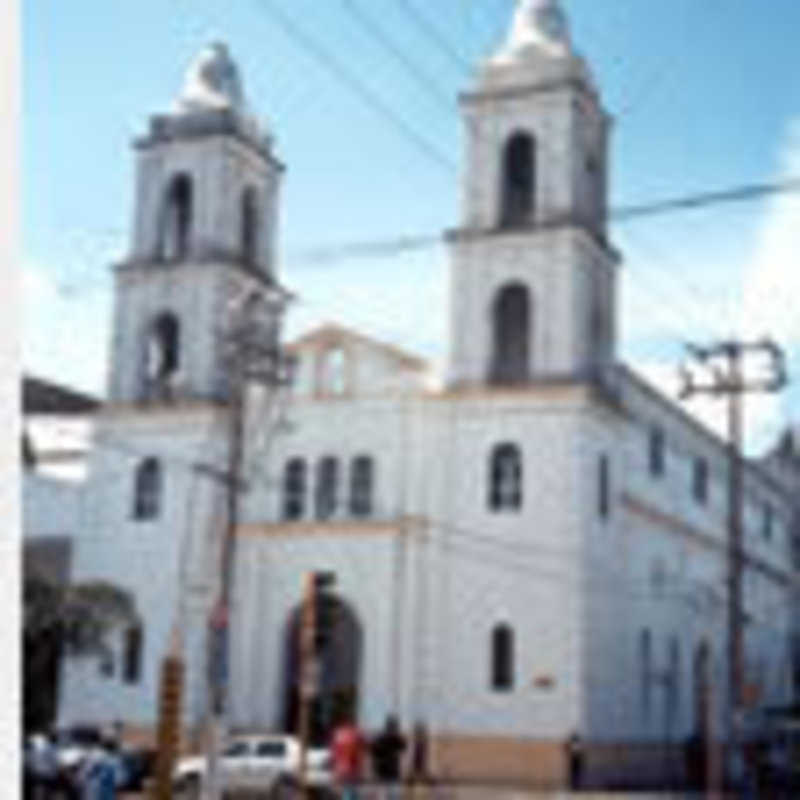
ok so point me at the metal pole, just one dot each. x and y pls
(307, 678)
(219, 622)
(735, 632)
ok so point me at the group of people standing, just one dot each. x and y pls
(350, 749)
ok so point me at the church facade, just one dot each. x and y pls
(532, 547)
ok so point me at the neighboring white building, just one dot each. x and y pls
(537, 548)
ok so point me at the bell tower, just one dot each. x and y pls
(533, 276)
(204, 233)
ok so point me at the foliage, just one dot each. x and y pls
(63, 620)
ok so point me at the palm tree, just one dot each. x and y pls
(63, 620)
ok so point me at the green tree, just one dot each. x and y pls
(61, 620)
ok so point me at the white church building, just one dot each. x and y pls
(532, 545)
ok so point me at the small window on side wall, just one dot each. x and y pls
(700, 481)
(603, 487)
(502, 648)
(657, 454)
(505, 478)
(133, 654)
(147, 490)
(768, 522)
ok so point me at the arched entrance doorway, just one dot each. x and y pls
(340, 666)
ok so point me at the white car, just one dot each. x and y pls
(256, 762)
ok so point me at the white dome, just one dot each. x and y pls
(539, 27)
(212, 81)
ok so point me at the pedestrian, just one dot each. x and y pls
(419, 754)
(575, 760)
(348, 756)
(387, 749)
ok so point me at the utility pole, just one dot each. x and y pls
(724, 361)
(316, 628)
(254, 355)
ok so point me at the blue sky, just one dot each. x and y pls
(705, 95)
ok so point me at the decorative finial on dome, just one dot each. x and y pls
(539, 26)
(212, 81)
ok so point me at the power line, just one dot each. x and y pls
(371, 98)
(433, 35)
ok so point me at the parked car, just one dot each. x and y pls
(255, 762)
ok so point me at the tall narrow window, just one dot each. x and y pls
(646, 670)
(603, 487)
(505, 478)
(294, 489)
(176, 221)
(656, 452)
(512, 330)
(768, 521)
(132, 666)
(147, 490)
(249, 225)
(700, 480)
(163, 347)
(519, 181)
(502, 658)
(361, 479)
(327, 487)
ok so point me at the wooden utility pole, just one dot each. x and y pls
(725, 362)
(254, 355)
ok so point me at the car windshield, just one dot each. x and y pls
(273, 747)
(236, 750)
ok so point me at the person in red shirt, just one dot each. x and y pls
(348, 757)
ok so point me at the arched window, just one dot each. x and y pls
(505, 478)
(294, 489)
(361, 480)
(249, 225)
(163, 346)
(147, 490)
(646, 670)
(334, 366)
(519, 180)
(502, 666)
(327, 488)
(176, 221)
(512, 326)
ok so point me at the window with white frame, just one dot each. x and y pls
(147, 490)
(361, 486)
(327, 488)
(294, 489)
(505, 478)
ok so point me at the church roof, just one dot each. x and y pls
(332, 330)
(44, 397)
